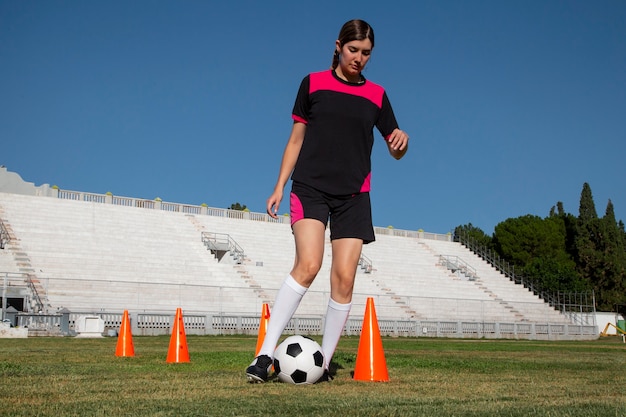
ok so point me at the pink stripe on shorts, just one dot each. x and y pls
(297, 212)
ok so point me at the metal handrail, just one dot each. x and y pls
(454, 263)
(366, 264)
(39, 304)
(554, 299)
(4, 235)
(223, 241)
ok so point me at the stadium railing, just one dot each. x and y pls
(154, 324)
(203, 209)
(576, 306)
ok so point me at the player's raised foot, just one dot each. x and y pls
(259, 369)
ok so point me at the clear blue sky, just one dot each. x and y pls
(510, 106)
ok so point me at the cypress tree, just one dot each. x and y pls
(587, 209)
(600, 255)
(613, 259)
(587, 232)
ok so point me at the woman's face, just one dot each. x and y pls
(354, 56)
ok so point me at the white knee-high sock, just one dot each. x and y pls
(336, 317)
(287, 301)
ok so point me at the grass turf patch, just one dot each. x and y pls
(428, 377)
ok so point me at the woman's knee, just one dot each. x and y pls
(343, 283)
(306, 271)
(341, 292)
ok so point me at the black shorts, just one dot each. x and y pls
(350, 215)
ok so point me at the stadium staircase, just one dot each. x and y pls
(20, 274)
(525, 305)
(221, 245)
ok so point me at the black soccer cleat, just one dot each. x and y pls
(259, 369)
(326, 377)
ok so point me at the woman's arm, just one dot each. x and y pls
(290, 156)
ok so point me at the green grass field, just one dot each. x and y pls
(428, 377)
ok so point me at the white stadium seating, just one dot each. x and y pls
(94, 253)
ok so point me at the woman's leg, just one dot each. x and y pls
(309, 238)
(346, 254)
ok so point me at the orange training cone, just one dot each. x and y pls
(265, 318)
(125, 338)
(178, 351)
(370, 359)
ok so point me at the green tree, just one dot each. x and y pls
(600, 255)
(550, 274)
(469, 232)
(237, 206)
(537, 247)
(587, 208)
(563, 252)
(612, 277)
(570, 225)
(587, 237)
(522, 239)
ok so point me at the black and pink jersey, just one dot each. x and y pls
(340, 116)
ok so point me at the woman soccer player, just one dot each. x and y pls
(328, 156)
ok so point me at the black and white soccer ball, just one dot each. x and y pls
(299, 360)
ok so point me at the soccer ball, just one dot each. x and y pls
(299, 360)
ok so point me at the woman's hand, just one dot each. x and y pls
(273, 203)
(398, 143)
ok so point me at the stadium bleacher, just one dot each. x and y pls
(95, 253)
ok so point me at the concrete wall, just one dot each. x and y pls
(11, 182)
